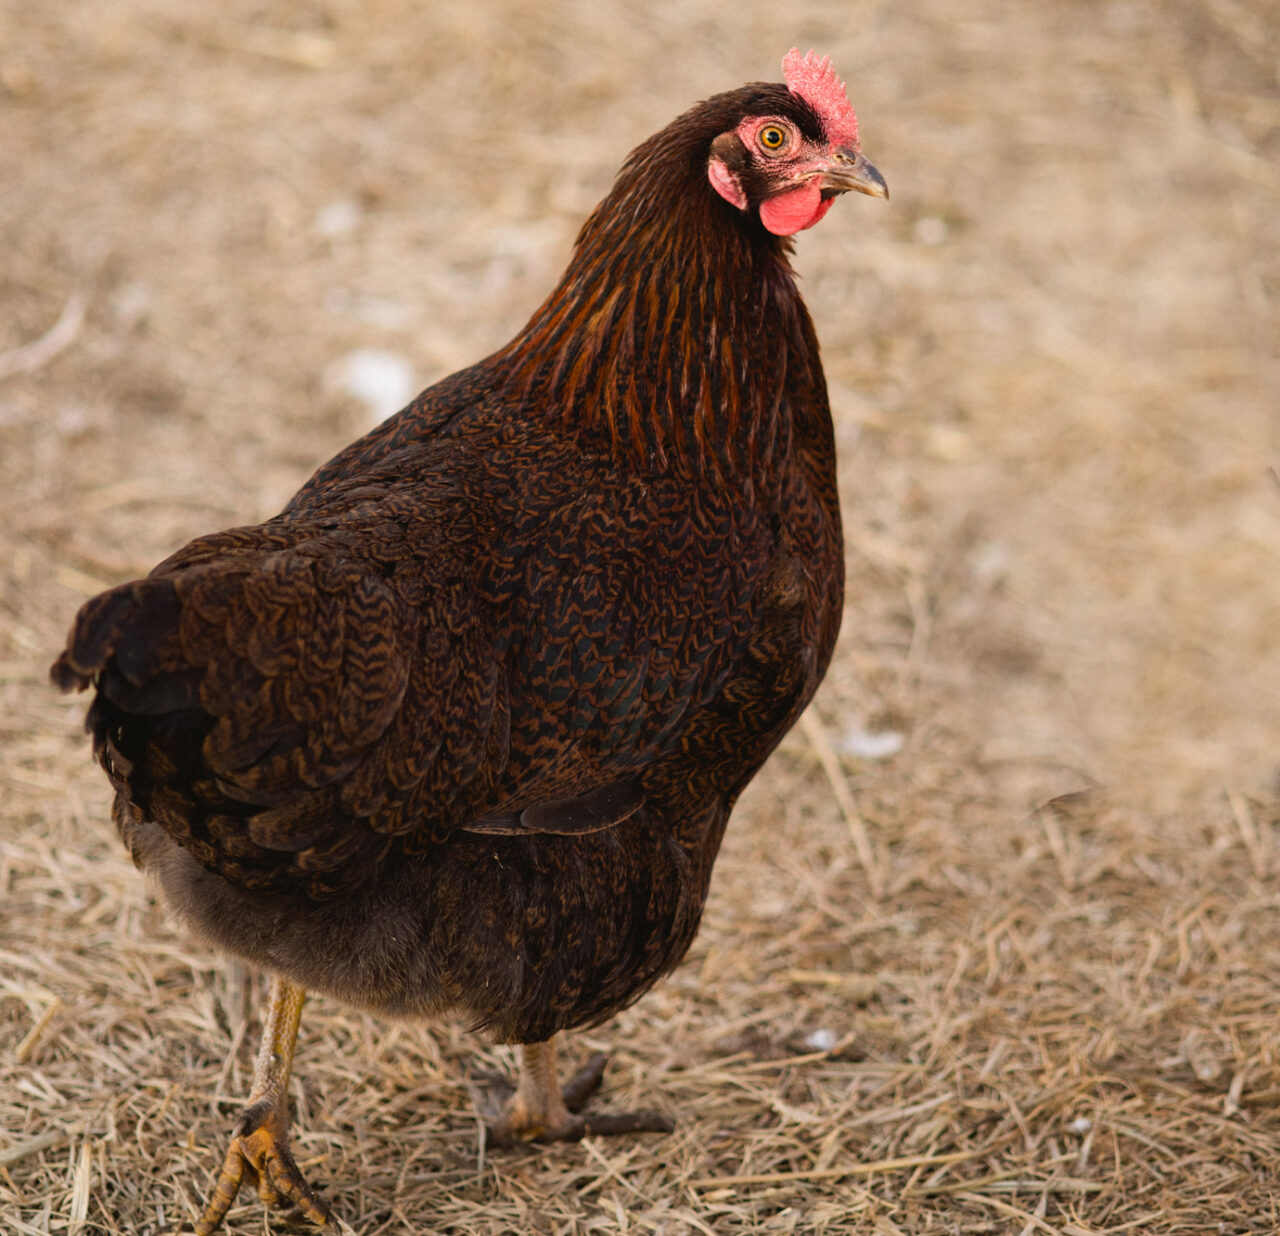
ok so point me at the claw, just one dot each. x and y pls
(260, 1152)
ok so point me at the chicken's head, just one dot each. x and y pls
(791, 162)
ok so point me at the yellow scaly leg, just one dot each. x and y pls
(259, 1149)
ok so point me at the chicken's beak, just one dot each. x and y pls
(848, 169)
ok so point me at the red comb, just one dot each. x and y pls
(811, 77)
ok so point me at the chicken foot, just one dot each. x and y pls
(539, 1110)
(259, 1150)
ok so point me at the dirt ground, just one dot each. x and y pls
(919, 1004)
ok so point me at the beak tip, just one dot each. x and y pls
(855, 173)
(876, 185)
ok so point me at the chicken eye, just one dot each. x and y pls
(773, 137)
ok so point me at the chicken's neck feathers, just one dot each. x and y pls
(671, 335)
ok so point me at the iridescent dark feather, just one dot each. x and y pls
(462, 726)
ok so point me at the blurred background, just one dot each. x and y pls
(1053, 355)
(235, 236)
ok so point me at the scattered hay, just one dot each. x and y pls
(918, 1005)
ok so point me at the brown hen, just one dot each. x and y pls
(458, 732)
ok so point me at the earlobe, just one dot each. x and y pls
(726, 183)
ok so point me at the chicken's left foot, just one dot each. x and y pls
(539, 1110)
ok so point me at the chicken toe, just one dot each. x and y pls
(539, 1110)
(259, 1153)
(584, 1082)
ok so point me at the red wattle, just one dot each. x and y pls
(792, 212)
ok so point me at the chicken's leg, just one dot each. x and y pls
(540, 1111)
(259, 1149)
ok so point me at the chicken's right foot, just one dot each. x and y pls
(259, 1150)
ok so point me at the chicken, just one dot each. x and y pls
(459, 730)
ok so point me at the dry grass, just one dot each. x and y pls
(916, 1006)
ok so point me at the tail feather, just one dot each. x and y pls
(215, 723)
(165, 692)
(134, 626)
(93, 638)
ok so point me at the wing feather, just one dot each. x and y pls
(290, 702)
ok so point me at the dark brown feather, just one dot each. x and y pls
(461, 727)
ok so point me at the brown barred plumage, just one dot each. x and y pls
(461, 728)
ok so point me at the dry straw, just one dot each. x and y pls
(918, 1005)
